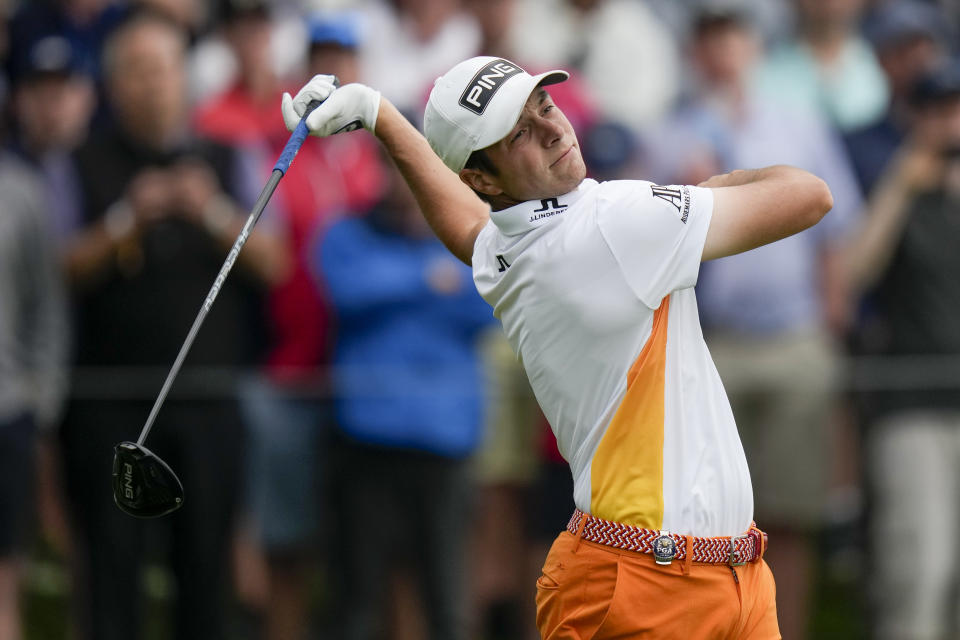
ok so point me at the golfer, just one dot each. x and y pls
(593, 284)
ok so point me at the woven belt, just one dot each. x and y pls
(666, 546)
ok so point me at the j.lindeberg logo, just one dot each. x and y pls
(486, 83)
(548, 208)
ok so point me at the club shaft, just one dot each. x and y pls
(293, 145)
(211, 296)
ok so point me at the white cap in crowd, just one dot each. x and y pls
(477, 103)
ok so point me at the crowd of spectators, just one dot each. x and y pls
(362, 456)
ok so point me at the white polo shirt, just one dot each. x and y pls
(595, 293)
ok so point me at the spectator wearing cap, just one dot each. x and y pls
(909, 37)
(906, 254)
(286, 415)
(85, 24)
(771, 315)
(828, 67)
(52, 102)
(334, 40)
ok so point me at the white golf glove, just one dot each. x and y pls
(344, 109)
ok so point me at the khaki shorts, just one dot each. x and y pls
(509, 451)
(783, 392)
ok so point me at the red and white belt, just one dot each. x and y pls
(665, 546)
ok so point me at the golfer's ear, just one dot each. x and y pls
(481, 181)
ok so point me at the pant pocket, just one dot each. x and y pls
(574, 592)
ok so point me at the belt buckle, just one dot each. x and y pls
(733, 551)
(757, 536)
(664, 548)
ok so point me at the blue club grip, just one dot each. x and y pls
(297, 138)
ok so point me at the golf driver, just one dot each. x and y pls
(143, 485)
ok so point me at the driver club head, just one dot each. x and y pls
(143, 485)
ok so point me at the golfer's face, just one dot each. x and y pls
(540, 157)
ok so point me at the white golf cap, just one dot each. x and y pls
(477, 103)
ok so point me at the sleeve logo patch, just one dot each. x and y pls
(679, 197)
(486, 83)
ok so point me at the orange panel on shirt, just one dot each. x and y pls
(626, 474)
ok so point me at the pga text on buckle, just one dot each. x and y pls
(664, 548)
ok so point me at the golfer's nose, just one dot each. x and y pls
(550, 132)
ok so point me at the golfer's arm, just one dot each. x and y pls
(759, 206)
(451, 209)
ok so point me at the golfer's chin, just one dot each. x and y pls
(553, 181)
(568, 173)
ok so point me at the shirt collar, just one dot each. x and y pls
(525, 216)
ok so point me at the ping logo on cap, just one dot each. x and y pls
(486, 83)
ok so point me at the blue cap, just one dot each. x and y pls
(898, 21)
(336, 29)
(50, 55)
(942, 83)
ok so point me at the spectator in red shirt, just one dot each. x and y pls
(284, 408)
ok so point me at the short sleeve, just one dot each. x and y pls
(656, 234)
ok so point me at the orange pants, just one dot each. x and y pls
(589, 590)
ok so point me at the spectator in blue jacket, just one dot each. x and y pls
(409, 402)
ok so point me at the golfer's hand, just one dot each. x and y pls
(344, 109)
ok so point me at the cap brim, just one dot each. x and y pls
(519, 93)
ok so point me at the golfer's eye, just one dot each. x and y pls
(518, 135)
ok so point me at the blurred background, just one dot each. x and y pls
(362, 456)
